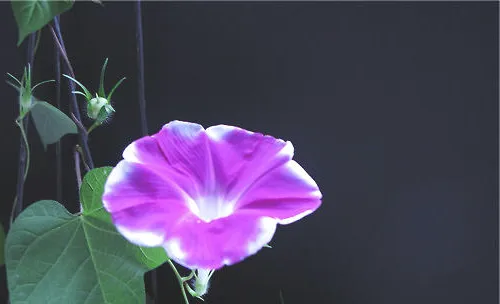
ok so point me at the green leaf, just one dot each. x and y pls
(35, 14)
(114, 88)
(53, 256)
(101, 81)
(51, 123)
(151, 257)
(2, 241)
(87, 94)
(91, 193)
(91, 199)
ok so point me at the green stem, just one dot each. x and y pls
(189, 277)
(282, 301)
(27, 149)
(78, 171)
(179, 279)
(92, 127)
(38, 34)
(19, 123)
(21, 176)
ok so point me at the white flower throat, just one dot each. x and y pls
(211, 208)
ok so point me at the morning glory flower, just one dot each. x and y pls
(211, 197)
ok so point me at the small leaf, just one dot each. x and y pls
(2, 241)
(114, 88)
(91, 193)
(53, 256)
(87, 94)
(91, 199)
(35, 14)
(101, 80)
(151, 257)
(51, 123)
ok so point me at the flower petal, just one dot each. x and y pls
(132, 185)
(143, 204)
(145, 151)
(241, 157)
(286, 193)
(148, 152)
(225, 241)
(185, 147)
(148, 224)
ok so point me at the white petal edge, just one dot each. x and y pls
(115, 177)
(174, 250)
(219, 132)
(130, 153)
(184, 129)
(287, 150)
(294, 218)
(267, 227)
(298, 171)
(141, 238)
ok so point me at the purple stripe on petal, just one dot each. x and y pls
(151, 217)
(240, 157)
(148, 152)
(224, 241)
(131, 185)
(186, 149)
(287, 193)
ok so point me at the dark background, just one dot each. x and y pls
(392, 108)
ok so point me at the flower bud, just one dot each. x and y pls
(105, 113)
(26, 101)
(94, 107)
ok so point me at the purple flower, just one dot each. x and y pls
(210, 197)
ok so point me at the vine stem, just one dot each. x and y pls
(78, 171)
(58, 40)
(57, 68)
(15, 210)
(25, 139)
(140, 66)
(23, 164)
(142, 102)
(180, 280)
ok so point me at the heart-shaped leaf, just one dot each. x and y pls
(51, 123)
(53, 256)
(35, 14)
(91, 198)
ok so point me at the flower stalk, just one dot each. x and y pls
(23, 163)
(58, 40)
(140, 66)
(180, 279)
